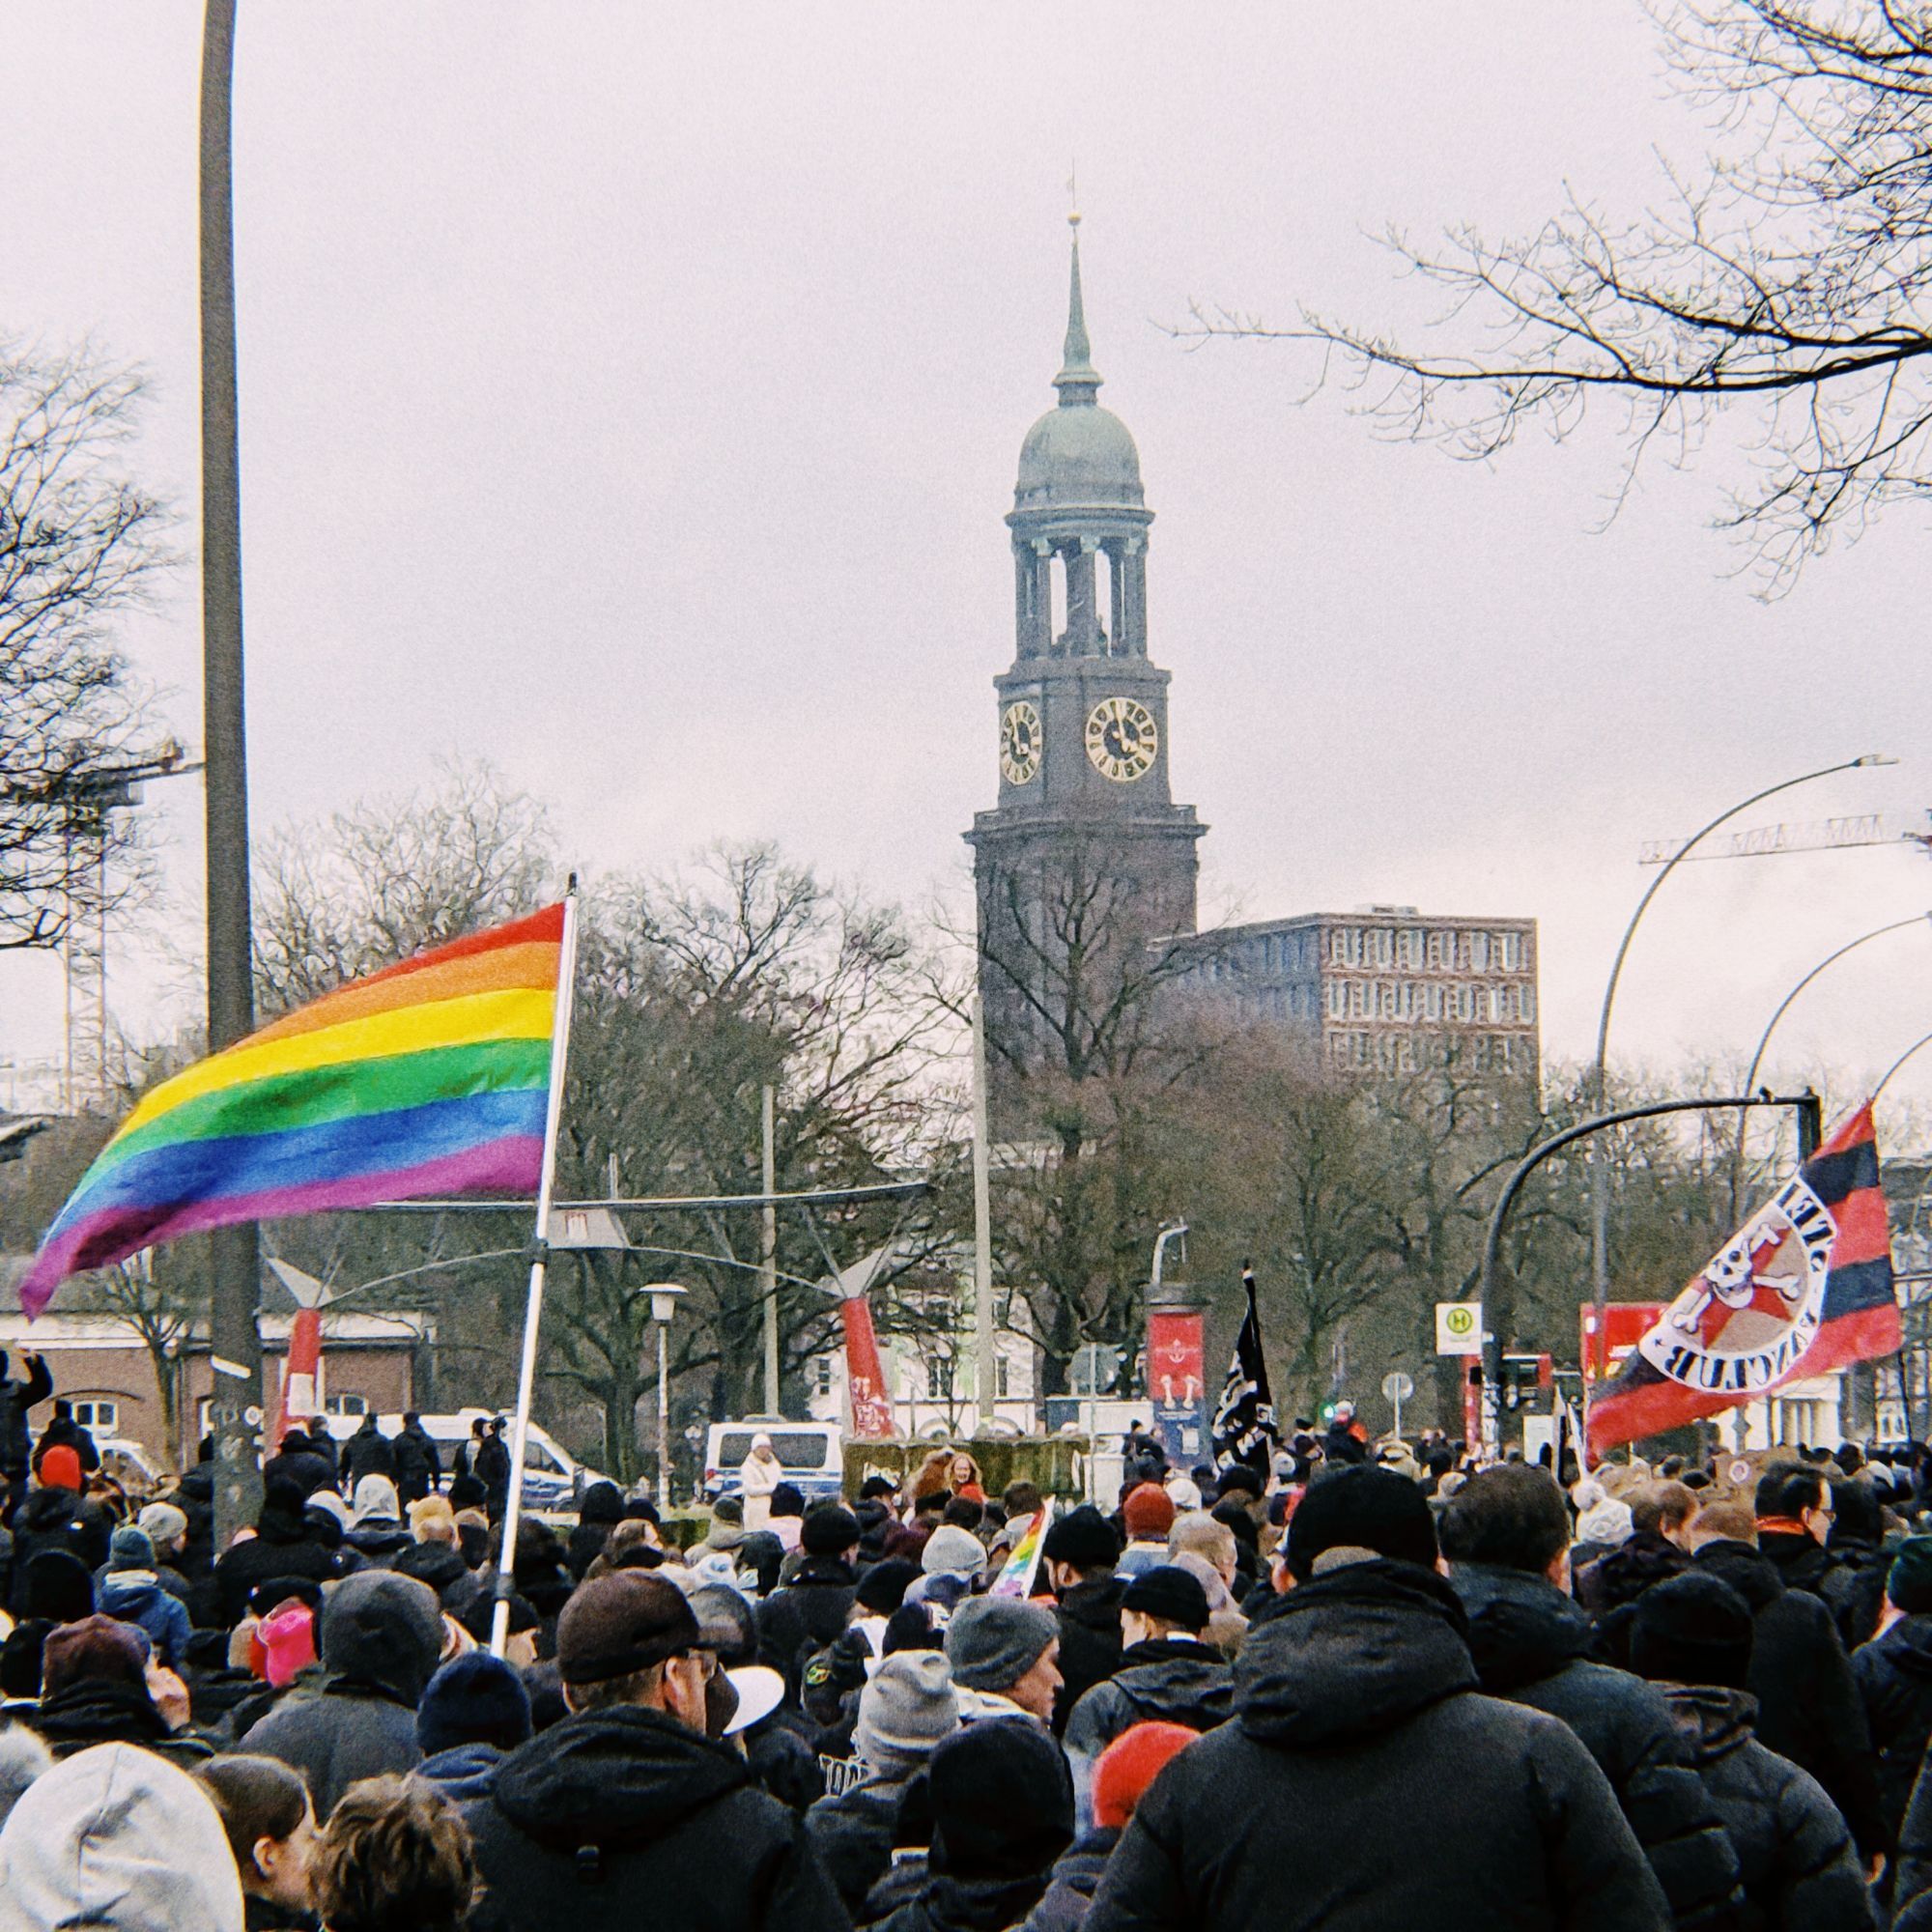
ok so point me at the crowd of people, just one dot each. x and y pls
(1368, 1687)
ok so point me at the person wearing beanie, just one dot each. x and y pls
(880, 1592)
(1692, 1635)
(474, 1713)
(285, 1543)
(133, 1592)
(303, 1460)
(907, 1709)
(56, 1517)
(1168, 1673)
(953, 1551)
(599, 1511)
(418, 1461)
(381, 1639)
(1077, 1556)
(1002, 1814)
(118, 1838)
(1894, 1673)
(1121, 1775)
(1004, 1653)
(727, 1526)
(627, 1812)
(59, 1467)
(823, 1583)
(1147, 1514)
(1506, 1533)
(95, 1689)
(1808, 1707)
(1363, 1781)
(165, 1527)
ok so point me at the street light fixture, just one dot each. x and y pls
(1771, 1027)
(664, 1296)
(1599, 1175)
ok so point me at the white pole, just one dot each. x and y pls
(559, 1049)
(768, 1252)
(987, 1373)
(663, 1414)
(1398, 1418)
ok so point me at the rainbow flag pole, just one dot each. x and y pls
(559, 1049)
(1017, 1574)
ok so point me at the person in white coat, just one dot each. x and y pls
(758, 1475)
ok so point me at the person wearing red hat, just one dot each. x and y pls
(1123, 1771)
(55, 1516)
(1147, 1515)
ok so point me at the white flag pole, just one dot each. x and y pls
(559, 1049)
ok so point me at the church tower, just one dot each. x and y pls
(1086, 858)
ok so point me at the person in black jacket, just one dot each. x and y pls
(1167, 1674)
(56, 1517)
(1808, 1704)
(599, 1511)
(1002, 1813)
(1078, 1554)
(1854, 1589)
(308, 1460)
(1506, 1533)
(1894, 1673)
(418, 1462)
(367, 1453)
(285, 1543)
(824, 1584)
(491, 1466)
(626, 1813)
(63, 1429)
(1364, 1781)
(1692, 1636)
(16, 1400)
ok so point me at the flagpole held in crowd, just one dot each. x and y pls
(559, 1049)
(1244, 1427)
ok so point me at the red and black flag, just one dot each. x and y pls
(1244, 1425)
(1802, 1289)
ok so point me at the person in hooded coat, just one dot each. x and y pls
(1168, 1673)
(1002, 1813)
(94, 1689)
(1078, 1555)
(628, 1813)
(474, 1713)
(377, 1532)
(1505, 1533)
(1854, 1588)
(1692, 1635)
(118, 1841)
(1364, 1781)
(285, 1543)
(907, 1710)
(132, 1592)
(1893, 1672)
(382, 1637)
(55, 1516)
(1808, 1704)
(304, 1460)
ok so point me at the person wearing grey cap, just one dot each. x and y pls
(165, 1527)
(906, 1710)
(626, 1813)
(1004, 1657)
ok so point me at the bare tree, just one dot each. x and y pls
(392, 877)
(80, 546)
(1785, 283)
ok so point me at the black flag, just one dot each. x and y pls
(1244, 1428)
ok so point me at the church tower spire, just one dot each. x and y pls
(1078, 380)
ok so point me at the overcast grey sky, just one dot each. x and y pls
(631, 396)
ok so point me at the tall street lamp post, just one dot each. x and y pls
(664, 1296)
(1600, 1172)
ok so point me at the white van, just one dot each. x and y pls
(554, 1480)
(812, 1454)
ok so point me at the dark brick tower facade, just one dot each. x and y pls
(1086, 856)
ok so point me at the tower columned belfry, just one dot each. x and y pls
(1086, 856)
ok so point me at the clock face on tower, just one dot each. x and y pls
(1121, 739)
(1019, 743)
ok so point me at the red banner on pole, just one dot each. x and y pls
(871, 1406)
(297, 1400)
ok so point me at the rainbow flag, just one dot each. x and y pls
(1016, 1573)
(431, 1077)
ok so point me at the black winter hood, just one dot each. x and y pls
(1754, 1577)
(613, 1778)
(381, 1633)
(1352, 1653)
(1521, 1628)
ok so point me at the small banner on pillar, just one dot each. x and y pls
(1244, 1425)
(1802, 1289)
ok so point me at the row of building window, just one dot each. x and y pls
(1469, 1002)
(1402, 1053)
(1456, 949)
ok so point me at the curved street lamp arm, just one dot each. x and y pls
(1915, 1046)
(1670, 865)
